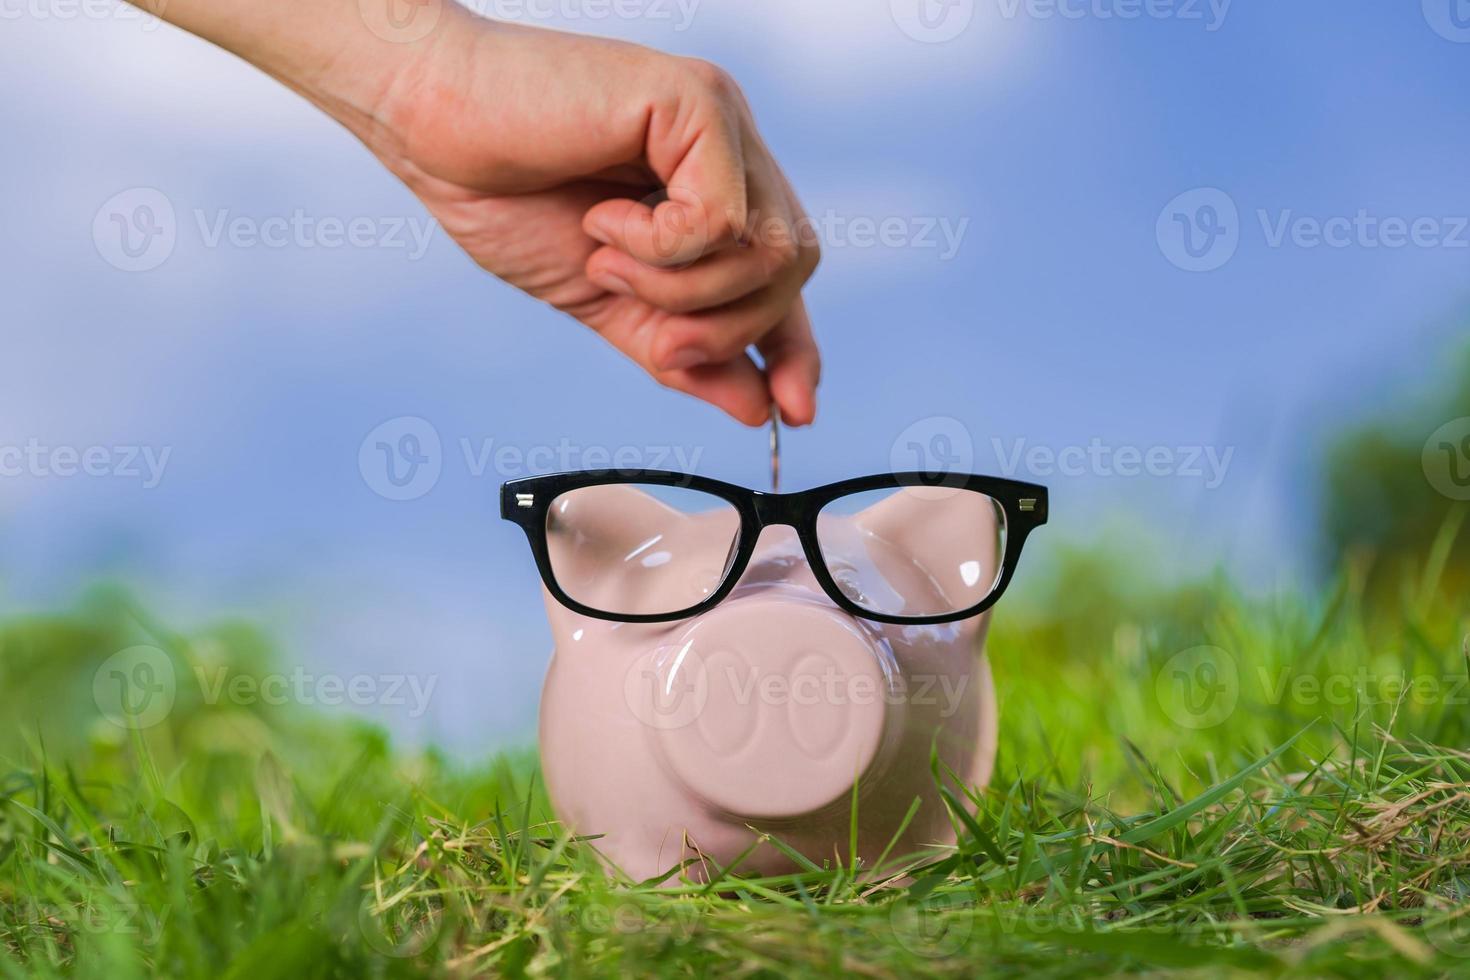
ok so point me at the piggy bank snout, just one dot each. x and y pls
(786, 702)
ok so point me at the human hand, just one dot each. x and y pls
(627, 187)
(541, 153)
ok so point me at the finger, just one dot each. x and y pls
(793, 365)
(713, 281)
(736, 387)
(694, 147)
(659, 233)
(718, 278)
(721, 334)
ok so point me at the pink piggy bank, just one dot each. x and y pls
(811, 669)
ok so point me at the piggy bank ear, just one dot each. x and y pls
(916, 551)
(635, 550)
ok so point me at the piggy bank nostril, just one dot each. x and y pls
(818, 734)
(850, 584)
(726, 734)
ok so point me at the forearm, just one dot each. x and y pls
(343, 55)
(613, 181)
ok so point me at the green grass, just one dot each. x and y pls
(1189, 780)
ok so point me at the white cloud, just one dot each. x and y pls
(130, 64)
(119, 61)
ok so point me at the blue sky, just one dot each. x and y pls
(1054, 322)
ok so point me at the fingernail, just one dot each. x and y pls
(614, 284)
(687, 358)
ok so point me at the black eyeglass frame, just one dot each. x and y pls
(526, 501)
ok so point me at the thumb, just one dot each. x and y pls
(694, 146)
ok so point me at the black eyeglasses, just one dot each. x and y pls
(648, 546)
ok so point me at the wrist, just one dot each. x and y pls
(353, 59)
(378, 54)
(400, 82)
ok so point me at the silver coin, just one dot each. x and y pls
(775, 449)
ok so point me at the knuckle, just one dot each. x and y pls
(726, 347)
(782, 257)
(722, 227)
(720, 341)
(674, 299)
(809, 259)
(710, 78)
